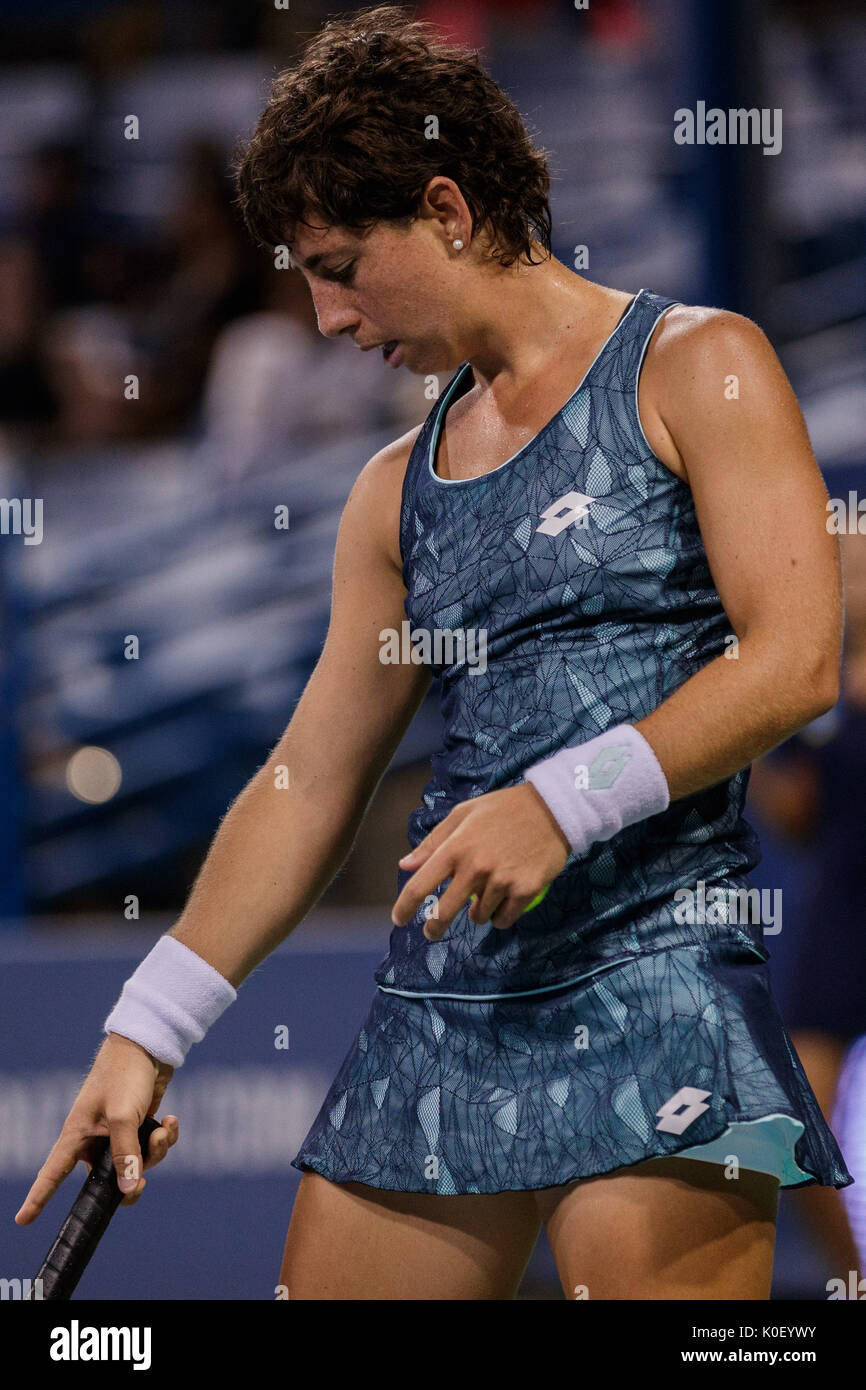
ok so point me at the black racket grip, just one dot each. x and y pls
(85, 1225)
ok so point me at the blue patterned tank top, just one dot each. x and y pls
(569, 591)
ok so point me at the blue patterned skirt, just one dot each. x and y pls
(679, 1051)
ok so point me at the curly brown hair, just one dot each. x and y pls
(344, 138)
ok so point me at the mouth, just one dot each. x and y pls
(391, 351)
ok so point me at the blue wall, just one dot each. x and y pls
(213, 1219)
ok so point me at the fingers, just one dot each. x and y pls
(414, 891)
(420, 886)
(507, 908)
(510, 908)
(126, 1153)
(438, 835)
(434, 860)
(90, 1151)
(438, 859)
(486, 904)
(126, 1074)
(57, 1167)
(483, 846)
(161, 1140)
(499, 900)
(133, 1197)
(452, 901)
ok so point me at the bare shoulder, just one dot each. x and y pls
(698, 360)
(374, 502)
(692, 338)
(388, 465)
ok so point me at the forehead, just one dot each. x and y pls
(311, 244)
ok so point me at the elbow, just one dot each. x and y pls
(825, 692)
(812, 685)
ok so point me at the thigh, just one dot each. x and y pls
(668, 1228)
(351, 1241)
(822, 1055)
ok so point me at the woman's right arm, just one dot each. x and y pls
(289, 830)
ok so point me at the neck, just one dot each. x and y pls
(523, 315)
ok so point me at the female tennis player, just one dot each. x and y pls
(608, 540)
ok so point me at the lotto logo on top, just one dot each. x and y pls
(565, 511)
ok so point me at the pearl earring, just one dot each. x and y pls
(458, 245)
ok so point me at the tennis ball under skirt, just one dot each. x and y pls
(679, 1051)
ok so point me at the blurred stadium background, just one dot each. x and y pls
(124, 258)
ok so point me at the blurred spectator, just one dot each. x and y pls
(275, 381)
(26, 394)
(826, 27)
(89, 351)
(57, 220)
(207, 276)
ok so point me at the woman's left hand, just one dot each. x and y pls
(504, 847)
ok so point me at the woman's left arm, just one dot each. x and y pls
(720, 393)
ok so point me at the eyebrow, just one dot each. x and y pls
(314, 261)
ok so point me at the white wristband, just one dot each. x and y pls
(597, 788)
(170, 1001)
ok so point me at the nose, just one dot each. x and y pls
(333, 312)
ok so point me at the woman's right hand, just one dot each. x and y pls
(124, 1086)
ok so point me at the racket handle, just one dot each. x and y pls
(85, 1225)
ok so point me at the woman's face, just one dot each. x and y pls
(397, 282)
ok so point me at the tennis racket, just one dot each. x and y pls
(85, 1225)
